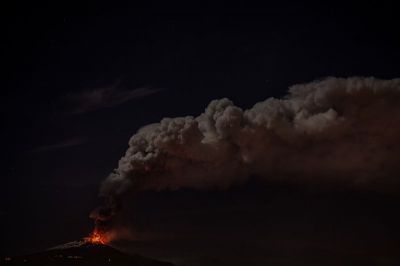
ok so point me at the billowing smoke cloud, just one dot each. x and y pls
(332, 131)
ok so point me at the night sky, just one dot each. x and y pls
(79, 81)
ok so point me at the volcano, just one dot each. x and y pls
(83, 253)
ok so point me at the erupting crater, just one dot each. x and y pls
(96, 237)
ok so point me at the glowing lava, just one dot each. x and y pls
(96, 238)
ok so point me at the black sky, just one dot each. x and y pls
(60, 58)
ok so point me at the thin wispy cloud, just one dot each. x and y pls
(60, 145)
(90, 100)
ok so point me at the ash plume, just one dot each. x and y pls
(339, 131)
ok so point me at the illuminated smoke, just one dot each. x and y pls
(341, 131)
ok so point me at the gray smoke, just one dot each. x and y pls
(333, 131)
(345, 129)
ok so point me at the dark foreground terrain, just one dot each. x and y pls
(81, 253)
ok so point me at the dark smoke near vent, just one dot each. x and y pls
(340, 132)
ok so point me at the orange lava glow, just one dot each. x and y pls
(96, 238)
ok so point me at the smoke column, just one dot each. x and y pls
(335, 131)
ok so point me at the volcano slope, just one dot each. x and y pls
(83, 253)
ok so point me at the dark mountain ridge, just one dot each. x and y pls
(82, 253)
